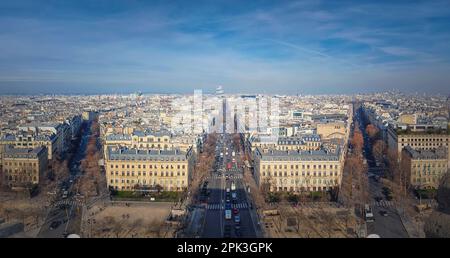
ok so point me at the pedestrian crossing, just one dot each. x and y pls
(232, 176)
(218, 206)
(68, 202)
(384, 204)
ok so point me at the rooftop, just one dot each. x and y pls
(137, 154)
(438, 153)
(11, 152)
(277, 155)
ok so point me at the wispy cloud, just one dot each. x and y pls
(284, 46)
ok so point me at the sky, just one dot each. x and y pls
(283, 47)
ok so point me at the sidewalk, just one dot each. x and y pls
(409, 225)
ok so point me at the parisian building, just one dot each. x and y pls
(23, 167)
(131, 169)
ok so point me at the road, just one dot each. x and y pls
(220, 179)
(389, 226)
(65, 213)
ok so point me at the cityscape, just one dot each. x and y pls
(219, 154)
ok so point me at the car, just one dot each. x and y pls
(235, 211)
(234, 195)
(383, 213)
(237, 219)
(227, 205)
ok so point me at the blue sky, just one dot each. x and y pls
(65, 46)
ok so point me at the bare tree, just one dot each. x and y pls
(372, 131)
(379, 149)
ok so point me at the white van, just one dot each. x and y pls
(368, 213)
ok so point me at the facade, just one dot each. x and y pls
(31, 140)
(74, 124)
(130, 169)
(303, 143)
(397, 140)
(24, 166)
(299, 171)
(331, 130)
(148, 140)
(60, 131)
(424, 168)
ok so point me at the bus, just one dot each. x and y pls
(227, 214)
(368, 215)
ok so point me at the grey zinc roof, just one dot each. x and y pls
(438, 153)
(117, 137)
(23, 152)
(136, 154)
(279, 155)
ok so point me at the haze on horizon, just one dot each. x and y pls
(285, 47)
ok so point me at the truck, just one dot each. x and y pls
(227, 214)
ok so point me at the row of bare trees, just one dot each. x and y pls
(204, 163)
(397, 178)
(355, 185)
(88, 184)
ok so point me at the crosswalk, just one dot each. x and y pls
(384, 204)
(232, 176)
(218, 206)
(69, 202)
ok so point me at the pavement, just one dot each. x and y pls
(390, 226)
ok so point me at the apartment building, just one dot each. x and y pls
(29, 140)
(298, 171)
(303, 143)
(424, 168)
(139, 139)
(23, 166)
(336, 129)
(129, 169)
(149, 140)
(60, 130)
(416, 139)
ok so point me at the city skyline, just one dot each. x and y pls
(306, 47)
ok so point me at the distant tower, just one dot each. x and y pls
(219, 90)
